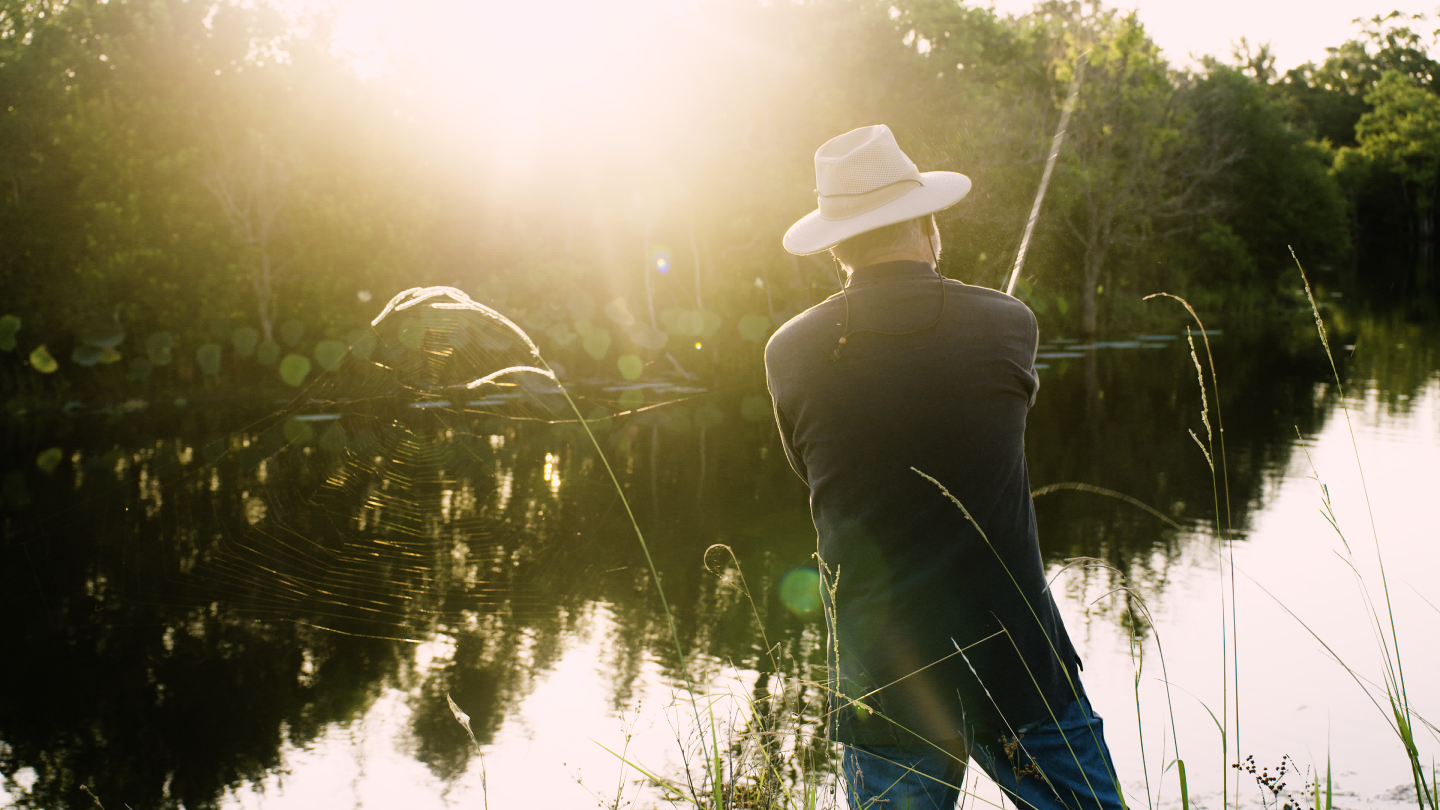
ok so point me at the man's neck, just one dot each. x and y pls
(907, 255)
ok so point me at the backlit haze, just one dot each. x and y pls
(591, 84)
(561, 91)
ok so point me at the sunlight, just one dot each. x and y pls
(510, 76)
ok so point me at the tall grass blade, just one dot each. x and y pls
(1185, 786)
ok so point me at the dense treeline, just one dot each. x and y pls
(193, 190)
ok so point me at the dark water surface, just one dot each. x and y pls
(222, 604)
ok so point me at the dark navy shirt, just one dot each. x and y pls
(913, 578)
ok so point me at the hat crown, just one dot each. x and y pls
(861, 161)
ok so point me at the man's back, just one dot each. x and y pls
(946, 392)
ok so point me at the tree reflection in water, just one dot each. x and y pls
(184, 596)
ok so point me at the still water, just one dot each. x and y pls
(220, 604)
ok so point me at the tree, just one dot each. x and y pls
(249, 181)
(1279, 193)
(1140, 161)
(1400, 136)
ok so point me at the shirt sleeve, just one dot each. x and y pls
(1034, 349)
(787, 432)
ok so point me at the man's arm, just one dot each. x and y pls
(787, 431)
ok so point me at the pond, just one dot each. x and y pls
(236, 604)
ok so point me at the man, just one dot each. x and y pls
(946, 643)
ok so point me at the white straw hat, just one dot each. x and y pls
(865, 182)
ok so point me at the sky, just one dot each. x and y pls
(1298, 30)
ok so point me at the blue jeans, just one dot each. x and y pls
(1044, 766)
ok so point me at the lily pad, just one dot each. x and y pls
(158, 348)
(49, 459)
(245, 339)
(103, 332)
(691, 322)
(619, 312)
(208, 356)
(294, 369)
(596, 342)
(41, 361)
(755, 328)
(710, 322)
(267, 353)
(631, 367)
(9, 325)
(291, 331)
(330, 354)
(560, 334)
(87, 355)
(297, 431)
(649, 337)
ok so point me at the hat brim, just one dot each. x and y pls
(938, 191)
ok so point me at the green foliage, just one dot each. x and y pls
(1399, 136)
(1278, 193)
(215, 168)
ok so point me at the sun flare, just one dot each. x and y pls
(517, 77)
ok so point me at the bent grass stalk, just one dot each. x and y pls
(1228, 637)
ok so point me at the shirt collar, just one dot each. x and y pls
(888, 271)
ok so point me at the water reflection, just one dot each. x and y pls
(192, 590)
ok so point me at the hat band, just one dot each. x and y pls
(846, 206)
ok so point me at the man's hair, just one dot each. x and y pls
(911, 234)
